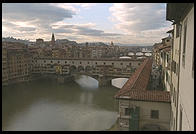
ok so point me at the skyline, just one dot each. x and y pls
(125, 23)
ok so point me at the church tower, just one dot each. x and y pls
(53, 40)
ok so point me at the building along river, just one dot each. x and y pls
(49, 106)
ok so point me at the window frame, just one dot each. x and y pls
(154, 114)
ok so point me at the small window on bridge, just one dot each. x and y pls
(51, 61)
(112, 63)
(44, 61)
(121, 63)
(88, 62)
(96, 63)
(80, 62)
(65, 61)
(129, 64)
(104, 63)
(58, 61)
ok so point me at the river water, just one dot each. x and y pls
(46, 105)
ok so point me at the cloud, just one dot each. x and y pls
(82, 29)
(34, 11)
(40, 16)
(134, 17)
(133, 23)
(142, 22)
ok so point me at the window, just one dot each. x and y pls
(154, 114)
(121, 63)
(88, 62)
(167, 58)
(178, 27)
(96, 63)
(184, 44)
(65, 61)
(128, 111)
(58, 61)
(104, 63)
(51, 61)
(44, 61)
(166, 76)
(129, 64)
(175, 97)
(80, 62)
(112, 63)
(174, 66)
(72, 62)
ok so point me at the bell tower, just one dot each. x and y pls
(53, 40)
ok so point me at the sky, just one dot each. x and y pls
(125, 23)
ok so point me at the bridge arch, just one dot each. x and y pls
(148, 54)
(88, 68)
(73, 69)
(119, 82)
(80, 68)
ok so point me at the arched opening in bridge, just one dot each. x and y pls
(148, 54)
(73, 69)
(87, 82)
(131, 54)
(125, 57)
(139, 53)
(80, 69)
(142, 57)
(119, 82)
(88, 69)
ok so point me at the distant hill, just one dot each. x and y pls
(93, 43)
(66, 41)
(11, 39)
(144, 45)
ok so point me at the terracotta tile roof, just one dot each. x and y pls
(148, 95)
(135, 87)
(136, 78)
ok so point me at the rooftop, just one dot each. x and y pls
(136, 87)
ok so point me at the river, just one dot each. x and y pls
(45, 105)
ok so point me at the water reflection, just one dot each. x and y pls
(47, 105)
(87, 82)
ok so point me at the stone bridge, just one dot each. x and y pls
(138, 53)
(103, 70)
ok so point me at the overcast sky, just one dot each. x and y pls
(126, 23)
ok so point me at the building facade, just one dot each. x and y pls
(182, 74)
(140, 108)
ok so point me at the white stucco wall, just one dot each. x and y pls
(186, 82)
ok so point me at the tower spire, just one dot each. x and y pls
(53, 39)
